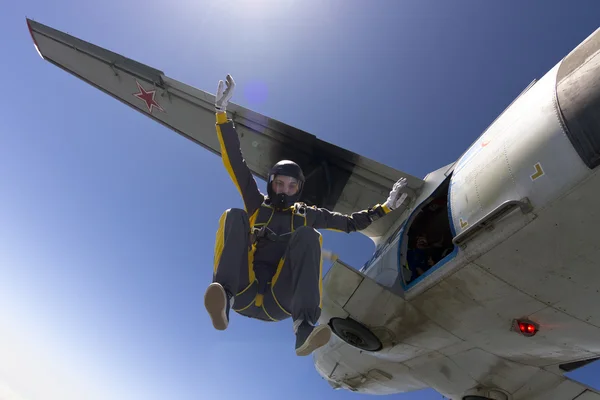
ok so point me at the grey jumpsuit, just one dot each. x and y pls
(280, 275)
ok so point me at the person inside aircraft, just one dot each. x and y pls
(423, 255)
(267, 262)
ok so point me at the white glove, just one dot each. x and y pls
(224, 95)
(396, 198)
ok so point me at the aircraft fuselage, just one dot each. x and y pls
(516, 222)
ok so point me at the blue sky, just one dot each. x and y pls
(108, 220)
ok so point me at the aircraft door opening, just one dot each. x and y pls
(426, 241)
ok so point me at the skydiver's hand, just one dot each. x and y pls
(396, 198)
(224, 95)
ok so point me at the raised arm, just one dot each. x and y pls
(231, 153)
(320, 218)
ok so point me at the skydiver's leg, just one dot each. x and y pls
(298, 289)
(231, 272)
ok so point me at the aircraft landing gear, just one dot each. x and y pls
(355, 334)
(482, 393)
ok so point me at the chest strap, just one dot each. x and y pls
(260, 230)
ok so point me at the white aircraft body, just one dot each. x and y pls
(512, 301)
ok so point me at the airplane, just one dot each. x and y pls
(508, 300)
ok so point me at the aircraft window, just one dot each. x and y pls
(429, 237)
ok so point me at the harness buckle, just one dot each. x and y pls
(300, 210)
(262, 233)
(257, 233)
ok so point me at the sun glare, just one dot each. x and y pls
(258, 8)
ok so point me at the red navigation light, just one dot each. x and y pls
(527, 328)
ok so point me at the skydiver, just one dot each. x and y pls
(267, 262)
(424, 255)
(419, 258)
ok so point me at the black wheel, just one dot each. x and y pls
(355, 334)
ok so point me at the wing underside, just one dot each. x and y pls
(549, 389)
(337, 179)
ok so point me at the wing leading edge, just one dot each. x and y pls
(337, 179)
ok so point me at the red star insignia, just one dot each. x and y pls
(147, 97)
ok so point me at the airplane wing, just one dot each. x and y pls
(542, 386)
(418, 353)
(556, 389)
(337, 179)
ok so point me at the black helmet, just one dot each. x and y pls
(286, 168)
